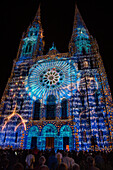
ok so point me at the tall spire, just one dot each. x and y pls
(78, 21)
(37, 18)
(79, 32)
(32, 40)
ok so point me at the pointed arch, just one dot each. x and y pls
(11, 116)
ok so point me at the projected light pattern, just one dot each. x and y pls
(82, 41)
(90, 82)
(7, 119)
(50, 130)
(54, 77)
(58, 99)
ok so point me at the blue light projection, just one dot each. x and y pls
(33, 132)
(61, 99)
(82, 41)
(66, 131)
(50, 130)
(51, 78)
(29, 43)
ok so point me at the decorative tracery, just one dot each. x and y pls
(54, 77)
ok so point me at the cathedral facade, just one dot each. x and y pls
(57, 100)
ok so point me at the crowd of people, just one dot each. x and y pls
(50, 160)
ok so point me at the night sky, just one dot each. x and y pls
(57, 21)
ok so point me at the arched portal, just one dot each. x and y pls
(32, 138)
(49, 136)
(66, 138)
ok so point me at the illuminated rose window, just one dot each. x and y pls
(51, 77)
(56, 78)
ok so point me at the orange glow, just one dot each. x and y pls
(7, 119)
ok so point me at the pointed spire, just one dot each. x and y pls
(52, 50)
(38, 16)
(53, 46)
(79, 32)
(78, 21)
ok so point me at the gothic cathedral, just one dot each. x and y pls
(57, 100)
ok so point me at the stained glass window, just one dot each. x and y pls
(36, 113)
(54, 77)
(51, 107)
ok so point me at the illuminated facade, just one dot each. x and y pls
(59, 100)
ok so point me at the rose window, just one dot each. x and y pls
(51, 78)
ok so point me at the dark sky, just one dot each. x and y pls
(57, 21)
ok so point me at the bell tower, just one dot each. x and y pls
(81, 41)
(93, 92)
(32, 41)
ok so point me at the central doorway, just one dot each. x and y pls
(49, 142)
(33, 142)
(65, 142)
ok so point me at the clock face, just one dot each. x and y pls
(51, 78)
